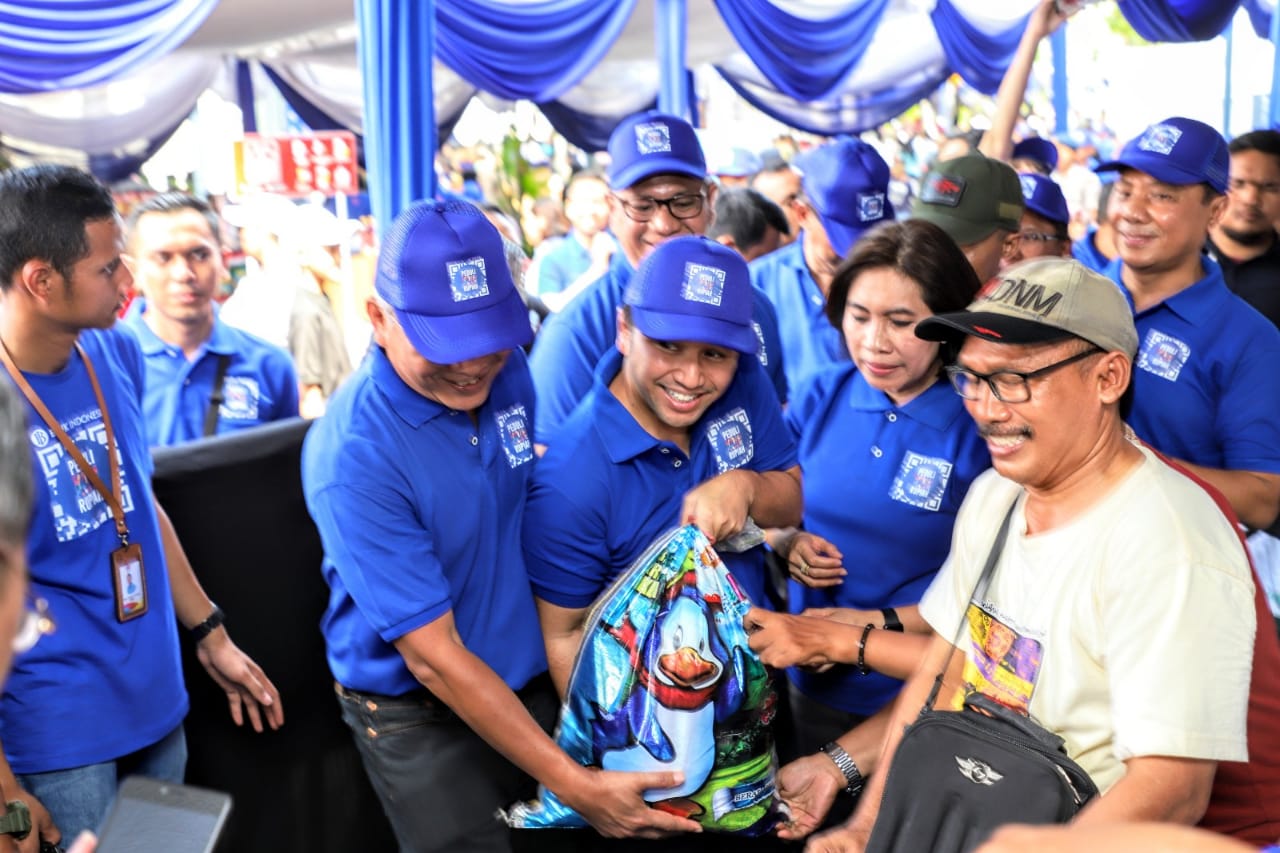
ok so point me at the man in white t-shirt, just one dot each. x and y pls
(1122, 611)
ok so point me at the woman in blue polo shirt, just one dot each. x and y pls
(887, 452)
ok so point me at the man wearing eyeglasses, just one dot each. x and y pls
(1045, 219)
(1206, 391)
(1244, 241)
(1122, 591)
(659, 191)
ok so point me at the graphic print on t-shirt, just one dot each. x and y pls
(76, 505)
(1001, 663)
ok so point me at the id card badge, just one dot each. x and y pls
(130, 580)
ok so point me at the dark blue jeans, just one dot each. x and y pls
(440, 784)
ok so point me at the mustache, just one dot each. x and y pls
(988, 430)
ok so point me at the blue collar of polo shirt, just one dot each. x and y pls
(413, 408)
(620, 433)
(1191, 304)
(219, 342)
(934, 407)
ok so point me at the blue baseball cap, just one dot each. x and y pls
(1039, 149)
(1043, 196)
(653, 143)
(443, 269)
(1178, 151)
(694, 289)
(847, 184)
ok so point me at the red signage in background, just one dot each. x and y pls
(324, 162)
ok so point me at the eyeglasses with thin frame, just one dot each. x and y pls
(1008, 386)
(1040, 237)
(36, 622)
(682, 206)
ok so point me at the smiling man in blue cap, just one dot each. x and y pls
(417, 478)
(844, 193)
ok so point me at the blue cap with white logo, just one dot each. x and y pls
(1043, 196)
(1037, 149)
(694, 289)
(847, 184)
(653, 143)
(1177, 151)
(443, 269)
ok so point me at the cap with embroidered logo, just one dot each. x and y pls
(653, 143)
(1041, 300)
(847, 184)
(443, 269)
(694, 289)
(970, 197)
(1177, 151)
(1044, 197)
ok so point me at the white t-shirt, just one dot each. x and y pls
(1128, 631)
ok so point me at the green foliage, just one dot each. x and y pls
(1119, 25)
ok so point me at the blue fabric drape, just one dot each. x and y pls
(536, 51)
(1259, 16)
(1178, 20)
(47, 45)
(804, 58)
(848, 114)
(245, 99)
(980, 58)
(585, 130)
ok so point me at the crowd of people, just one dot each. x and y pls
(873, 371)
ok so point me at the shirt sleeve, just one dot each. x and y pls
(565, 546)
(562, 363)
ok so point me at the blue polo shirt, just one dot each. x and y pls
(883, 483)
(96, 689)
(809, 342)
(1206, 387)
(606, 488)
(561, 264)
(260, 384)
(572, 342)
(419, 511)
(1086, 252)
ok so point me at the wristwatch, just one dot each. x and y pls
(207, 627)
(891, 620)
(845, 764)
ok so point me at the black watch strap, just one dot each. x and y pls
(207, 627)
(891, 620)
(845, 764)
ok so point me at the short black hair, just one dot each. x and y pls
(745, 215)
(15, 469)
(43, 213)
(1266, 141)
(175, 202)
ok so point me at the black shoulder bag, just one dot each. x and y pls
(956, 776)
(217, 397)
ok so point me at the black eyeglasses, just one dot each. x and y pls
(683, 206)
(1040, 237)
(1008, 386)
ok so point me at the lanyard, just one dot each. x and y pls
(112, 495)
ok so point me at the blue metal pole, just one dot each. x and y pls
(1061, 100)
(671, 29)
(1226, 94)
(1273, 109)
(396, 46)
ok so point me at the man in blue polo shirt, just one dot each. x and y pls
(203, 376)
(1206, 391)
(680, 426)
(845, 186)
(660, 191)
(416, 477)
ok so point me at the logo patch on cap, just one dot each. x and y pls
(1160, 138)
(1028, 186)
(653, 138)
(467, 279)
(702, 284)
(870, 207)
(943, 189)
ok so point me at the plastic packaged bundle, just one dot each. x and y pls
(664, 680)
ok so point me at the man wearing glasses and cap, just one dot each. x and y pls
(660, 191)
(416, 478)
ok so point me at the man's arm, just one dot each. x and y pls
(783, 640)
(42, 826)
(1155, 787)
(1111, 838)
(246, 685)
(562, 634)
(1254, 495)
(720, 506)
(611, 802)
(997, 142)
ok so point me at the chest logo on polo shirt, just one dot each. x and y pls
(1163, 355)
(513, 427)
(921, 481)
(702, 284)
(730, 438)
(467, 279)
(76, 506)
(240, 396)
(762, 354)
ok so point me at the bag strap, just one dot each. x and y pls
(216, 398)
(979, 590)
